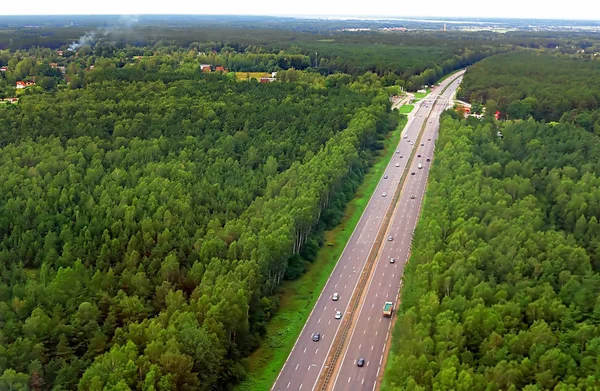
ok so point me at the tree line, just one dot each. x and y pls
(146, 223)
(543, 85)
(501, 291)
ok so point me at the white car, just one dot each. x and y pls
(390, 238)
(397, 164)
(412, 143)
(397, 151)
(338, 315)
(392, 260)
(335, 297)
(383, 194)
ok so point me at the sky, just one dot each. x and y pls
(536, 9)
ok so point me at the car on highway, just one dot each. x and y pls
(390, 238)
(412, 173)
(338, 315)
(401, 156)
(405, 135)
(316, 337)
(429, 139)
(412, 143)
(421, 115)
(428, 159)
(412, 196)
(385, 177)
(335, 297)
(392, 260)
(422, 144)
(397, 164)
(383, 194)
(419, 155)
(397, 151)
(360, 362)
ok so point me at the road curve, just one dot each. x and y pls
(371, 330)
(306, 360)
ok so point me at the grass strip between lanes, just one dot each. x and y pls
(298, 297)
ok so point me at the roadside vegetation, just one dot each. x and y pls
(501, 288)
(298, 297)
(405, 109)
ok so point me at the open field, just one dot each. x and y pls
(250, 75)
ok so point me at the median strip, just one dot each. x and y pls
(347, 322)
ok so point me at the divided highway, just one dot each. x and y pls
(307, 358)
(371, 330)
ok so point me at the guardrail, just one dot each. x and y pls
(347, 320)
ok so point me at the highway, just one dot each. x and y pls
(371, 330)
(307, 358)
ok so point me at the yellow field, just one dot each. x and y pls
(250, 75)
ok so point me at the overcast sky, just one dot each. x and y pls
(554, 9)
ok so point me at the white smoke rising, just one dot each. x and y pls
(125, 22)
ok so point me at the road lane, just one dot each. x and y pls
(306, 360)
(371, 330)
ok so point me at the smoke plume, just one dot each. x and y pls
(89, 38)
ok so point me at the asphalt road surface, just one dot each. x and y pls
(306, 360)
(371, 330)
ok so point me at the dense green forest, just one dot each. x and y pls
(146, 223)
(538, 84)
(501, 292)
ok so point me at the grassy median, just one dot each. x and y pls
(298, 297)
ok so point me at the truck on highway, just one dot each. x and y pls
(388, 307)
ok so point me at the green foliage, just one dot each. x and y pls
(542, 85)
(150, 215)
(501, 289)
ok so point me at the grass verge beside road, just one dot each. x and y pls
(298, 297)
(405, 109)
(421, 95)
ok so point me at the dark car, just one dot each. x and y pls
(385, 177)
(429, 139)
(419, 155)
(412, 196)
(422, 144)
(316, 337)
(412, 173)
(428, 159)
(360, 362)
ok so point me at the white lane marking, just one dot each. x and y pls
(349, 378)
(288, 386)
(329, 322)
(297, 365)
(319, 321)
(325, 308)
(364, 332)
(359, 346)
(316, 351)
(301, 387)
(376, 332)
(369, 319)
(372, 347)
(373, 306)
(362, 382)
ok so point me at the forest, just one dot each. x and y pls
(543, 85)
(502, 289)
(146, 223)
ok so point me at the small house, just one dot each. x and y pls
(220, 69)
(3, 69)
(60, 52)
(267, 79)
(205, 68)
